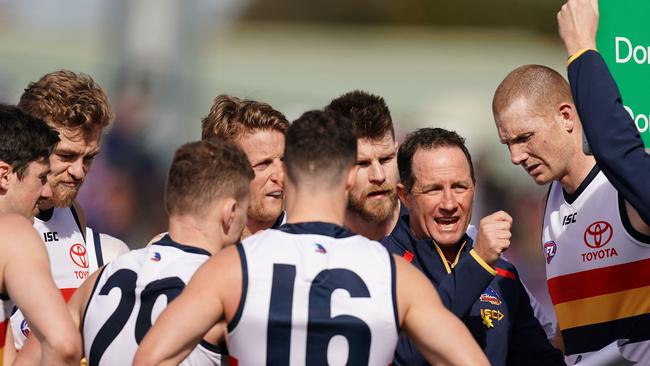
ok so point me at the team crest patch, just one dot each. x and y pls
(320, 248)
(24, 328)
(490, 296)
(550, 248)
(156, 257)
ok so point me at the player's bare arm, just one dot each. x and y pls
(30, 354)
(438, 334)
(49, 320)
(192, 314)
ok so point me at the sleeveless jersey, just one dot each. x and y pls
(314, 293)
(130, 294)
(103, 248)
(69, 259)
(66, 248)
(5, 311)
(598, 270)
(72, 259)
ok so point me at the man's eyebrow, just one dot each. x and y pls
(262, 161)
(66, 150)
(521, 136)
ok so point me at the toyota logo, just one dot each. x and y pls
(598, 234)
(78, 255)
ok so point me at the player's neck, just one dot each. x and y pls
(253, 226)
(371, 230)
(310, 206)
(578, 170)
(187, 230)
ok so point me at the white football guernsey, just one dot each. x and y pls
(130, 294)
(314, 294)
(5, 311)
(598, 270)
(103, 248)
(69, 260)
(66, 248)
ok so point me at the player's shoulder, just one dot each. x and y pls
(169, 256)
(16, 229)
(310, 231)
(14, 222)
(132, 260)
(111, 246)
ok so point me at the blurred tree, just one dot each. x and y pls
(534, 15)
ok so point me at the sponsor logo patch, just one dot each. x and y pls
(156, 257)
(491, 315)
(598, 234)
(78, 254)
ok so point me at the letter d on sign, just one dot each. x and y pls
(618, 41)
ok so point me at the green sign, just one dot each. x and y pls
(624, 41)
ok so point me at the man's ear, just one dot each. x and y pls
(568, 115)
(5, 175)
(228, 207)
(351, 178)
(403, 195)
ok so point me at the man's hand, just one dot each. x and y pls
(493, 236)
(578, 23)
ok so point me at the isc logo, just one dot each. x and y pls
(569, 219)
(50, 236)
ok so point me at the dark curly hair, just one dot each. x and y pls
(368, 112)
(24, 139)
(320, 145)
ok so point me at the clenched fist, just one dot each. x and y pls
(578, 23)
(493, 236)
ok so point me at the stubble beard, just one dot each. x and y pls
(262, 213)
(373, 211)
(63, 196)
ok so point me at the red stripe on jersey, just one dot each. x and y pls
(505, 273)
(408, 256)
(67, 293)
(232, 361)
(599, 281)
(3, 333)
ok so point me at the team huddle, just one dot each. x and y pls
(325, 242)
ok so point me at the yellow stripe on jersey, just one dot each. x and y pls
(480, 261)
(448, 265)
(603, 308)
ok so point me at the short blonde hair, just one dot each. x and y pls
(231, 117)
